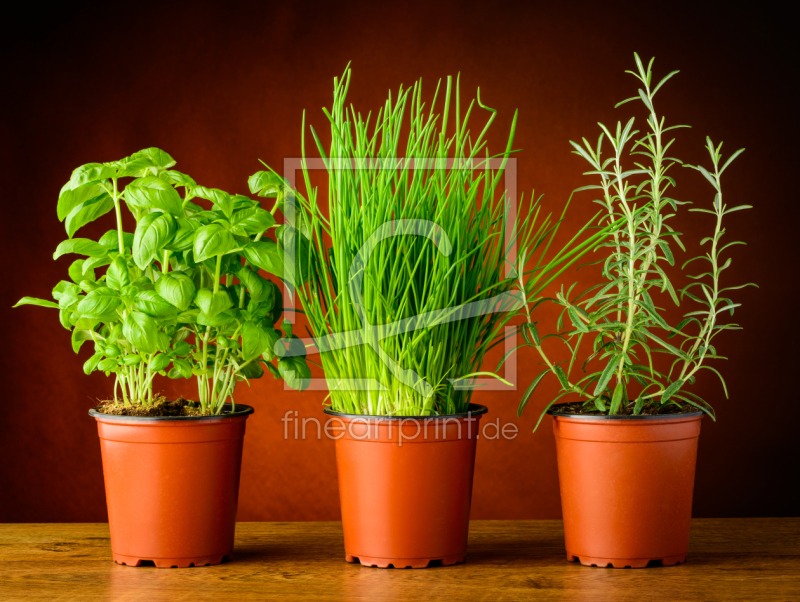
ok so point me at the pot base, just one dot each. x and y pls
(625, 563)
(174, 563)
(404, 563)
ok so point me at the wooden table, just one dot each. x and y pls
(730, 560)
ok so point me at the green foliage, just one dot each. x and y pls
(415, 230)
(621, 318)
(168, 302)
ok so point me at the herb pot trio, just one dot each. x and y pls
(405, 486)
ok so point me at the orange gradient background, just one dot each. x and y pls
(221, 85)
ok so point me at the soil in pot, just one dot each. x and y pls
(161, 406)
(651, 408)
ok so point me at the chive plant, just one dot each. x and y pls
(620, 319)
(408, 274)
(178, 297)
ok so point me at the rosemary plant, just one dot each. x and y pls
(408, 278)
(620, 318)
(170, 294)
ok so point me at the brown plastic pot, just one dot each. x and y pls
(405, 486)
(172, 486)
(626, 486)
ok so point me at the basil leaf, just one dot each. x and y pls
(111, 240)
(91, 364)
(80, 246)
(223, 318)
(255, 340)
(142, 332)
(153, 232)
(35, 301)
(266, 184)
(257, 286)
(100, 304)
(222, 200)
(68, 199)
(151, 192)
(210, 241)
(253, 220)
(177, 288)
(117, 275)
(212, 303)
(91, 172)
(152, 304)
(157, 156)
(265, 255)
(184, 235)
(295, 372)
(159, 362)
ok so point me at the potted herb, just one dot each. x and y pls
(174, 298)
(627, 450)
(405, 277)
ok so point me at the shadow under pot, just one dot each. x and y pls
(626, 486)
(172, 486)
(405, 486)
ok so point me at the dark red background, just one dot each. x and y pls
(220, 85)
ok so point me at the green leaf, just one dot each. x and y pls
(134, 166)
(562, 378)
(265, 255)
(91, 364)
(296, 253)
(212, 303)
(254, 220)
(69, 199)
(177, 288)
(100, 304)
(76, 271)
(220, 198)
(223, 318)
(176, 178)
(266, 184)
(608, 372)
(252, 370)
(529, 391)
(153, 232)
(107, 365)
(35, 301)
(184, 235)
(616, 399)
(111, 240)
(257, 286)
(210, 241)
(157, 157)
(671, 390)
(295, 372)
(117, 275)
(80, 246)
(159, 362)
(255, 340)
(151, 192)
(91, 172)
(87, 212)
(154, 305)
(141, 331)
(79, 337)
(598, 403)
(530, 334)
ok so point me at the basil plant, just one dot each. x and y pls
(181, 296)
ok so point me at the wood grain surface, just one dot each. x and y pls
(730, 559)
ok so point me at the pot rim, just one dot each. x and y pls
(475, 409)
(241, 410)
(553, 411)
